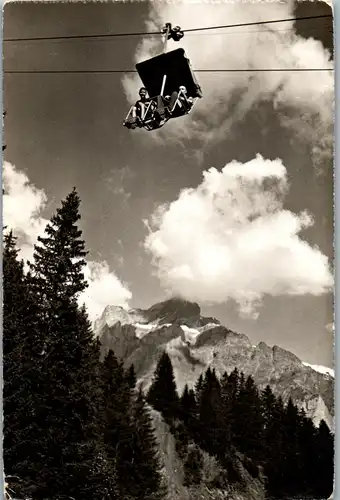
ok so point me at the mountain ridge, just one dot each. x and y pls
(195, 342)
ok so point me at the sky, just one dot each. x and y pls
(230, 206)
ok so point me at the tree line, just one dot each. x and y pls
(76, 426)
(222, 415)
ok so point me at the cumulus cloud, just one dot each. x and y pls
(104, 288)
(23, 205)
(228, 97)
(231, 238)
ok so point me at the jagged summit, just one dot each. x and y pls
(218, 333)
(173, 310)
(113, 314)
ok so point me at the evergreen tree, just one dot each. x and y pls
(189, 414)
(308, 453)
(211, 416)
(145, 480)
(198, 389)
(188, 406)
(291, 449)
(70, 406)
(162, 394)
(22, 347)
(248, 420)
(118, 431)
(131, 377)
(235, 382)
(324, 478)
(229, 392)
(274, 439)
(59, 259)
(268, 403)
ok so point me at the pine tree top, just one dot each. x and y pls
(59, 254)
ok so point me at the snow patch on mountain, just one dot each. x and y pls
(144, 329)
(208, 326)
(321, 369)
(190, 333)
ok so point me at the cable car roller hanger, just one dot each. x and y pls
(170, 84)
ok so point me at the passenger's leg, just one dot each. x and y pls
(160, 110)
(131, 121)
(173, 99)
(187, 105)
(142, 110)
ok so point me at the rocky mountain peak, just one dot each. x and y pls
(263, 347)
(113, 314)
(217, 334)
(284, 357)
(172, 311)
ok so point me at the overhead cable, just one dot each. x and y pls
(153, 33)
(112, 71)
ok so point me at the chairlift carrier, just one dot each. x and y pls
(163, 75)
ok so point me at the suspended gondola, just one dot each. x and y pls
(170, 87)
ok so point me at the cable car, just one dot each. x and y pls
(170, 84)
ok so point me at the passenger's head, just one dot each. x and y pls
(142, 92)
(183, 89)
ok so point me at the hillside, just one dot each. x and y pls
(251, 489)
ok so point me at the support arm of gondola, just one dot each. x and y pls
(163, 85)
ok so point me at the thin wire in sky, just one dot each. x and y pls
(111, 35)
(245, 32)
(112, 71)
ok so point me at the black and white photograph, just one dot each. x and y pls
(168, 260)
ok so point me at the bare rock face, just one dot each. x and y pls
(215, 335)
(195, 343)
(120, 338)
(145, 357)
(113, 314)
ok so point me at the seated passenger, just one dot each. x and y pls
(186, 101)
(179, 99)
(140, 107)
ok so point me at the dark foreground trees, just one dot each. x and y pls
(66, 432)
(70, 405)
(22, 348)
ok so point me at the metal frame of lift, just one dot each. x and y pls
(149, 120)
